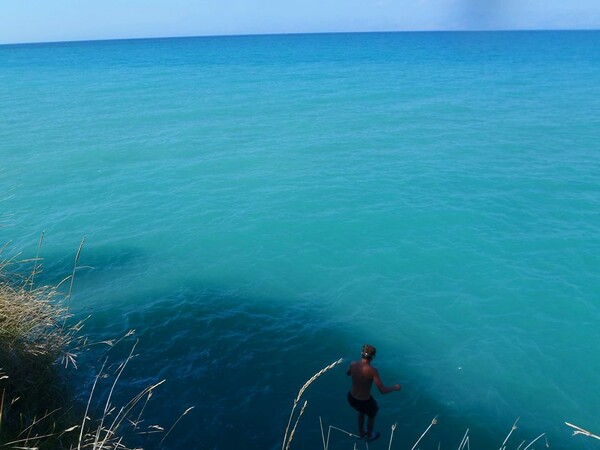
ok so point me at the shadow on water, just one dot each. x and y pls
(241, 361)
(95, 262)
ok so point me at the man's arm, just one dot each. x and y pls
(349, 371)
(384, 389)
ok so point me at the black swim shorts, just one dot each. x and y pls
(368, 407)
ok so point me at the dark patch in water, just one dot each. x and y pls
(94, 262)
(241, 361)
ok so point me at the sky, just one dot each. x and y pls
(23, 21)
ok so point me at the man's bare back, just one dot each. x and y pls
(362, 379)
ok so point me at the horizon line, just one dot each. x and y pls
(299, 33)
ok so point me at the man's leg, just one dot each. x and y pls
(370, 425)
(361, 423)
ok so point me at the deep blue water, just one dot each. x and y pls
(257, 207)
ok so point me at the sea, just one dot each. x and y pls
(256, 208)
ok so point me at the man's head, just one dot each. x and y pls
(368, 352)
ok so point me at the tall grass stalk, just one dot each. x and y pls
(176, 422)
(579, 430)
(35, 261)
(287, 437)
(534, 441)
(465, 441)
(293, 432)
(513, 428)
(77, 255)
(393, 429)
(87, 407)
(329, 429)
(433, 422)
(108, 404)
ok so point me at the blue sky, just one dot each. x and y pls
(63, 20)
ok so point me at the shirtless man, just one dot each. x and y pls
(363, 374)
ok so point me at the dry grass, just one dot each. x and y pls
(578, 430)
(38, 342)
(34, 340)
(289, 435)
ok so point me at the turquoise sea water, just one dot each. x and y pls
(258, 207)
